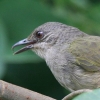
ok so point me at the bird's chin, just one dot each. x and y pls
(29, 45)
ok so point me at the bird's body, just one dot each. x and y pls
(76, 69)
(72, 56)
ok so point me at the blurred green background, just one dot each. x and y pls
(18, 18)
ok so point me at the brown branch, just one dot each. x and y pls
(12, 92)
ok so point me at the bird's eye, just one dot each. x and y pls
(39, 34)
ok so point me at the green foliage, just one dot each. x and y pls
(3, 41)
(94, 95)
(18, 18)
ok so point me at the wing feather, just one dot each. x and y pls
(86, 51)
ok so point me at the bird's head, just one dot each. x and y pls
(41, 39)
(44, 37)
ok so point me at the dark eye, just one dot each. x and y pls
(39, 34)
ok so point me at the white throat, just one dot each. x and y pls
(41, 49)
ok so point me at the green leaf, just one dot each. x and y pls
(81, 3)
(94, 95)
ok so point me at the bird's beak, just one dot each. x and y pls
(28, 43)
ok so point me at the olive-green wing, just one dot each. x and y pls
(86, 51)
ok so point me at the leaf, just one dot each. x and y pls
(94, 95)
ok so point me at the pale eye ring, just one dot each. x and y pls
(39, 34)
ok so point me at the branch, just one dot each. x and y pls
(12, 92)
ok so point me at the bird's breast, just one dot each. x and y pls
(70, 75)
(58, 65)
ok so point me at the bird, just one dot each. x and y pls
(72, 55)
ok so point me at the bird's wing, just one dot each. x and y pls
(86, 51)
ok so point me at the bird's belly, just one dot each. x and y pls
(63, 78)
(77, 79)
(83, 79)
(70, 75)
